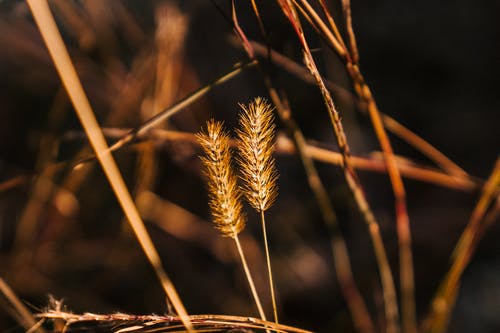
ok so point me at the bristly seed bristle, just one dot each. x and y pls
(224, 196)
(256, 145)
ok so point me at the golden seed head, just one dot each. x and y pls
(224, 196)
(256, 145)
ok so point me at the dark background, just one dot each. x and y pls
(432, 65)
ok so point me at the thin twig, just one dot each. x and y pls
(53, 40)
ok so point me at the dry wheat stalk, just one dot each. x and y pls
(258, 171)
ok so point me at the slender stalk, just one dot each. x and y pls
(407, 279)
(402, 219)
(338, 46)
(421, 173)
(218, 321)
(355, 302)
(390, 299)
(182, 104)
(269, 270)
(23, 315)
(249, 277)
(332, 23)
(390, 123)
(53, 40)
(444, 300)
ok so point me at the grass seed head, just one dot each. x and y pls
(256, 144)
(224, 196)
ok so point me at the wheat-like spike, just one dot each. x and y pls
(224, 197)
(258, 171)
(256, 145)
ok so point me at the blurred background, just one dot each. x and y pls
(431, 65)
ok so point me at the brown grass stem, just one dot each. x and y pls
(355, 302)
(203, 320)
(249, 277)
(141, 130)
(182, 104)
(444, 300)
(323, 28)
(66, 70)
(331, 22)
(21, 312)
(269, 269)
(284, 146)
(354, 54)
(406, 274)
(390, 123)
(416, 141)
(389, 292)
(489, 219)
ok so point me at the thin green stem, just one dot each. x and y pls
(269, 270)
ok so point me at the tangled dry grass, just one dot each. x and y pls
(352, 243)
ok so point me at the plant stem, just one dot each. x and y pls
(444, 300)
(66, 70)
(355, 302)
(249, 277)
(269, 270)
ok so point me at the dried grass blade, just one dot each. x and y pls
(355, 302)
(407, 279)
(24, 316)
(390, 123)
(338, 46)
(391, 308)
(443, 302)
(52, 37)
